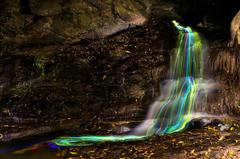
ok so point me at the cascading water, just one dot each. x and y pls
(177, 105)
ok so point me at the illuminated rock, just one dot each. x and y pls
(235, 30)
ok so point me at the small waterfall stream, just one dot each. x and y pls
(181, 100)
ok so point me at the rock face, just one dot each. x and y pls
(51, 68)
(114, 77)
(43, 22)
(235, 30)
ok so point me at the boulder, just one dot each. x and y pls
(58, 21)
(235, 30)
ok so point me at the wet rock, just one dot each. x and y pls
(45, 7)
(1, 91)
(136, 91)
(235, 30)
(223, 127)
(122, 129)
(58, 21)
(224, 60)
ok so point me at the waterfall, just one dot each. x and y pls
(182, 96)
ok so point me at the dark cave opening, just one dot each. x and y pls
(25, 8)
(212, 17)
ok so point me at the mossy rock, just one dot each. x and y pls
(45, 7)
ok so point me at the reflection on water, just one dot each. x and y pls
(43, 153)
(30, 148)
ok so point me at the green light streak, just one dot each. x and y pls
(173, 113)
(89, 140)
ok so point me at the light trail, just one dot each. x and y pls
(174, 110)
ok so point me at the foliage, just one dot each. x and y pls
(22, 90)
(40, 63)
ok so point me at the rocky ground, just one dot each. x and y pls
(214, 141)
(205, 142)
